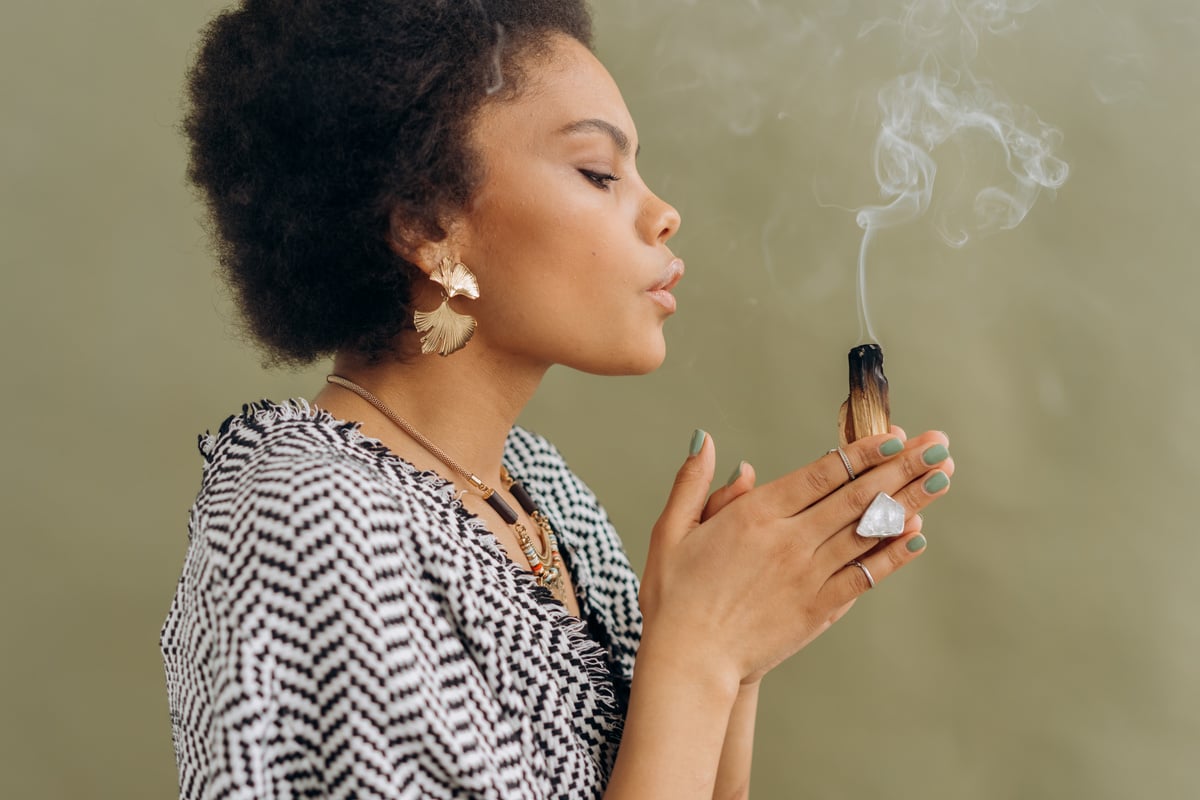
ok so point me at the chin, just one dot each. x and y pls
(641, 359)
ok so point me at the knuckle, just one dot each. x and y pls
(819, 481)
(751, 510)
(858, 580)
(836, 593)
(691, 469)
(690, 472)
(755, 517)
(913, 498)
(914, 465)
(862, 543)
(897, 557)
(864, 454)
(798, 552)
(751, 518)
(858, 496)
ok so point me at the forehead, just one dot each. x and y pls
(563, 85)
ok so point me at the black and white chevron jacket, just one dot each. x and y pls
(344, 628)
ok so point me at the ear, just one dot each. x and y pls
(415, 245)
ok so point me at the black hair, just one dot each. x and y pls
(312, 122)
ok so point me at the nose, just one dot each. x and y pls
(660, 219)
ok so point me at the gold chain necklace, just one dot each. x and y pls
(547, 567)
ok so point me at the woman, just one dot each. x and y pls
(444, 197)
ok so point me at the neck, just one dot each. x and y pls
(465, 404)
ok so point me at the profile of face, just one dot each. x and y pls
(568, 242)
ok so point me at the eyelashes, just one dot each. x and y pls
(602, 180)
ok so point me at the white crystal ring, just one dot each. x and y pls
(883, 518)
(866, 572)
(845, 461)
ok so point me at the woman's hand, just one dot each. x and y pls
(737, 582)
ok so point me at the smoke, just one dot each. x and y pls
(497, 79)
(496, 68)
(941, 100)
(748, 61)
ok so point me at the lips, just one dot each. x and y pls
(670, 277)
(661, 292)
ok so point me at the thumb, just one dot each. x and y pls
(689, 494)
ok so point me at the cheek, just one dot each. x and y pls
(555, 255)
(552, 259)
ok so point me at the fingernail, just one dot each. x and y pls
(936, 454)
(891, 447)
(916, 544)
(936, 482)
(697, 442)
(737, 473)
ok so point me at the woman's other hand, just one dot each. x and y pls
(738, 581)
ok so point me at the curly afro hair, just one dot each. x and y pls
(312, 122)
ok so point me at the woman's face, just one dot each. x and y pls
(568, 242)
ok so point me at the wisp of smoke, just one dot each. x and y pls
(497, 67)
(939, 100)
(496, 78)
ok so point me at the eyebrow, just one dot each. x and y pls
(593, 125)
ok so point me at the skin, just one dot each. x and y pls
(567, 241)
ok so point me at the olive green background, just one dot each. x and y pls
(1044, 647)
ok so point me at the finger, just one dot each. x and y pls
(848, 544)
(740, 482)
(847, 505)
(852, 581)
(913, 524)
(798, 490)
(927, 488)
(688, 494)
(914, 497)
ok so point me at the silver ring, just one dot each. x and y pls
(845, 461)
(865, 571)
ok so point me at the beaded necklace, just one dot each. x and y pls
(547, 567)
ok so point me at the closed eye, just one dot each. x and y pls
(601, 179)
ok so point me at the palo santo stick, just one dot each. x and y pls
(867, 410)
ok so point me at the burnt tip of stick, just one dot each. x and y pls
(866, 368)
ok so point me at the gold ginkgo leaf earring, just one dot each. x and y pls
(447, 331)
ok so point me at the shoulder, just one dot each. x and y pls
(535, 461)
(538, 464)
(290, 476)
(526, 448)
(301, 442)
(266, 432)
(600, 563)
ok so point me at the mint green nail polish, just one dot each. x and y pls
(891, 447)
(737, 473)
(936, 482)
(916, 544)
(936, 454)
(697, 442)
